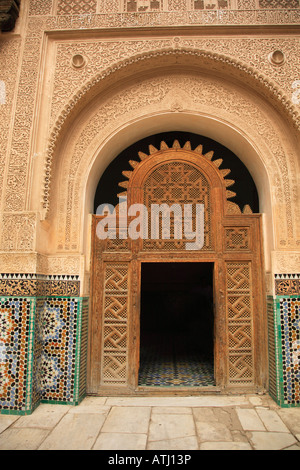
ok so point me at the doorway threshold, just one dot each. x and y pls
(178, 391)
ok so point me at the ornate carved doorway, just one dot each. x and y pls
(230, 241)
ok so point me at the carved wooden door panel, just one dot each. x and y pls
(231, 240)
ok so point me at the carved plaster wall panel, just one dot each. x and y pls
(155, 96)
(89, 7)
(99, 55)
(9, 49)
(19, 160)
(38, 7)
(205, 18)
(285, 262)
(24, 262)
(18, 231)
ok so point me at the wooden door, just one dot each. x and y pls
(232, 241)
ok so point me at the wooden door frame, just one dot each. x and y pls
(225, 218)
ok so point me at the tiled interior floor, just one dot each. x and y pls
(173, 365)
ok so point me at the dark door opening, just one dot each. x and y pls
(176, 325)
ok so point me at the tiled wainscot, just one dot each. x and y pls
(43, 345)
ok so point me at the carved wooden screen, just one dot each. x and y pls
(232, 241)
(239, 317)
(115, 325)
(179, 183)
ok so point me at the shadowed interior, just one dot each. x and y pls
(177, 324)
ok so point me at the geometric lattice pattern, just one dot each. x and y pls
(289, 309)
(237, 238)
(239, 314)
(76, 7)
(272, 4)
(177, 183)
(115, 325)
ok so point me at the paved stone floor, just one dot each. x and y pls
(208, 422)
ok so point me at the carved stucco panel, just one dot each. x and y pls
(18, 232)
(40, 7)
(174, 18)
(99, 55)
(18, 262)
(70, 264)
(286, 262)
(10, 48)
(19, 161)
(152, 96)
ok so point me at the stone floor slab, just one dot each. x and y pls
(250, 420)
(6, 421)
(212, 431)
(93, 401)
(99, 409)
(120, 441)
(225, 446)
(74, 432)
(271, 440)
(182, 443)
(22, 438)
(127, 420)
(165, 426)
(172, 410)
(271, 420)
(205, 400)
(44, 417)
(291, 417)
(293, 447)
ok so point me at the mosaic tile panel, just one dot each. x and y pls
(43, 351)
(284, 349)
(82, 345)
(273, 349)
(60, 327)
(16, 341)
(36, 393)
(288, 309)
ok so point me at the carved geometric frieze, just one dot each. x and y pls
(287, 284)
(280, 4)
(38, 285)
(147, 6)
(38, 7)
(90, 7)
(76, 7)
(205, 17)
